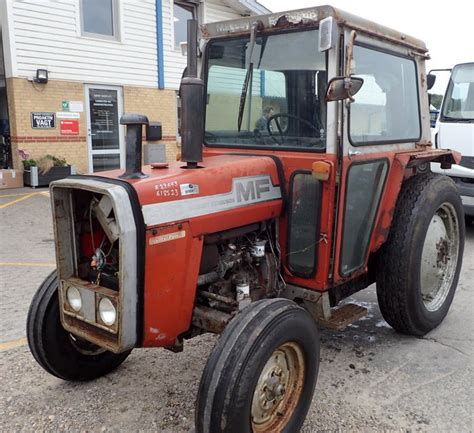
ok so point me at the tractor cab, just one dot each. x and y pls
(337, 101)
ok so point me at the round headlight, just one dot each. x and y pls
(107, 311)
(74, 298)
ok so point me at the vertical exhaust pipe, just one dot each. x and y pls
(133, 144)
(192, 105)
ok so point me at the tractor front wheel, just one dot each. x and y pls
(56, 350)
(262, 372)
(419, 265)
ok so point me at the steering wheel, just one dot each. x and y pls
(275, 117)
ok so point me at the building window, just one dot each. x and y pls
(100, 18)
(181, 14)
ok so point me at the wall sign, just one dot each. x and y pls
(73, 106)
(76, 106)
(69, 127)
(43, 120)
(67, 115)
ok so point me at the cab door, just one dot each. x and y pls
(384, 119)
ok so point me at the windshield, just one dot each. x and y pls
(273, 99)
(459, 103)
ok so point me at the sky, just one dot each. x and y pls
(447, 30)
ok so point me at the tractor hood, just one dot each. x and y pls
(222, 184)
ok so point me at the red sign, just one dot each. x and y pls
(69, 127)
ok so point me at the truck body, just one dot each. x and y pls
(455, 130)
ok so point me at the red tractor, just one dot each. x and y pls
(304, 178)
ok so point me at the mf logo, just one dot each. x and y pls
(252, 189)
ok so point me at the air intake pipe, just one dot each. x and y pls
(192, 99)
(133, 143)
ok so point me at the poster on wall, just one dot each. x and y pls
(43, 120)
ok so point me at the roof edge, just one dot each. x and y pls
(311, 16)
(248, 6)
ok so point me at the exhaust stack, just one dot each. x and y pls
(192, 100)
(133, 144)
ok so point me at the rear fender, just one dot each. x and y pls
(404, 166)
(445, 157)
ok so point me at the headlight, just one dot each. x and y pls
(107, 311)
(74, 298)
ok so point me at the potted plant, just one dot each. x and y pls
(42, 171)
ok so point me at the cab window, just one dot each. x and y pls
(267, 95)
(386, 108)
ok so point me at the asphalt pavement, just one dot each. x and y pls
(371, 378)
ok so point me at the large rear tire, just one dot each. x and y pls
(261, 375)
(419, 265)
(56, 350)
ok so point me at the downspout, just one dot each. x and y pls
(159, 44)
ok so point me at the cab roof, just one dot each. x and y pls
(310, 17)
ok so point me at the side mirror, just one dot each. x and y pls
(340, 88)
(430, 80)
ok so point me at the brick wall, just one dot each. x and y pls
(25, 97)
(158, 106)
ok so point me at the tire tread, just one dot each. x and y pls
(393, 269)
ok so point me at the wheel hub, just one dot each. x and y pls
(443, 252)
(439, 257)
(271, 386)
(279, 385)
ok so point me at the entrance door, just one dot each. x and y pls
(104, 133)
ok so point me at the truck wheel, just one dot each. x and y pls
(261, 375)
(418, 267)
(56, 350)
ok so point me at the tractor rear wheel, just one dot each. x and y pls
(419, 265)
(56, 350)
(261, 375)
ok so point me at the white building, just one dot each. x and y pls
(102, 57)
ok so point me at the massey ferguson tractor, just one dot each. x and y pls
(304, 178)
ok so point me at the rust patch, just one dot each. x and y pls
(295, 19)
(209, 319)
(424, 144)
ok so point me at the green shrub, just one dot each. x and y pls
(44, 163)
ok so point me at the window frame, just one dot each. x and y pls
(386, 162)
(205, 72)
(190, 6)
(317, 225)
(116, 36)
(449, 90)
(396, 141)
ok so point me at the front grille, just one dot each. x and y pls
(95, 237)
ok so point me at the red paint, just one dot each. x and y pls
(69, 127)
(171, 272)
(172, 266)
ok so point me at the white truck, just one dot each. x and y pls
(455, 130)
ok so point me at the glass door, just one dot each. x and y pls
(104, 132)
(383, 120)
